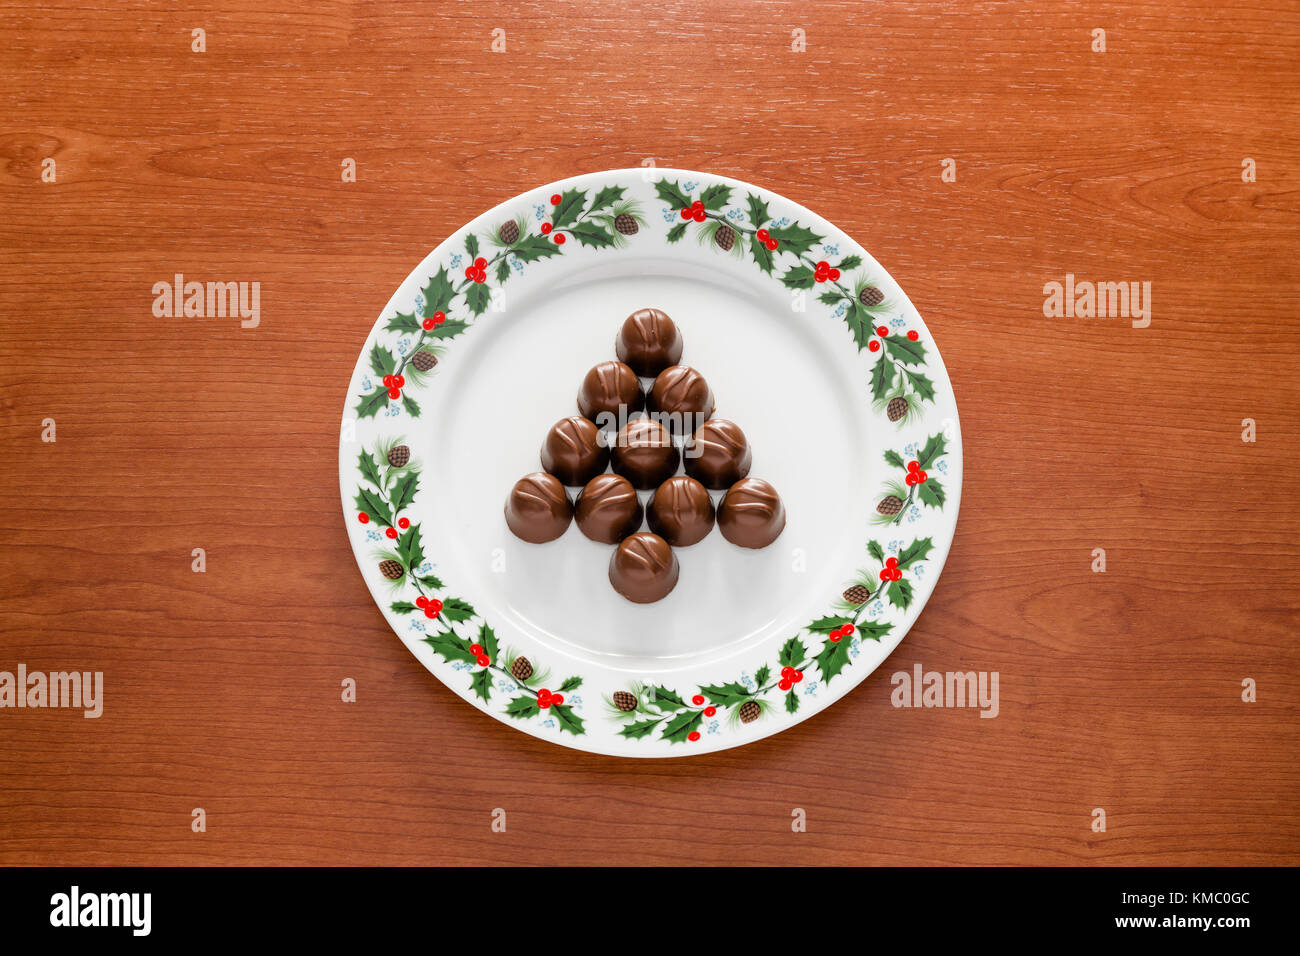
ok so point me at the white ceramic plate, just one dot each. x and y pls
(750, 642)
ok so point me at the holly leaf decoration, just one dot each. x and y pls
(503, 270)
(411, 405)
(934, 447)
(824, 625)
(676, 232)
(372, 504)
(572, 683)
(532, 248)
(726, 695)
(793, 653)
(832, 659)
(431, 582)
(438, 293)
(672, 194)
(642, 728)
(923, 386)
(849, 262)
(455, 609)
(369, 465)
(859, 323)
(663, 698)
(382, 361)
(762, 254)
(918, 550)
(407, 484)
(402, 607)
(567, 719)
(872, 630)
(522, 707)
(882, 376)
(900, 593)
(800, 277)
(481, 684)
(471, 245)
(762, 674)
(450, 647)
(409, 548)
(403, 322)
(758, 213)
(570, 207)
(905, 350)
(895, 459)
(716, 196)
(449, 329)
(791, 702)
(931, 492)
(370, 405)
(607, 197)
(681, 725)
(590, 234)
(795, 238)
(875, 550)
(830, 298)
(487, 639)
(477, 297)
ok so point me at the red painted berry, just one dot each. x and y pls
(913, 465)
(484, 660)
(394, 393)
(897, 575)
(835, 275)
(912, 335)
(836, 635)
(884, 574)
(891, 562)
(698, 204)
(697, 699)
(543, 702)
(399, 381)
(435, 605)
(439, 318)
(772, 244)
(557, 698)
(882, 331)
(422, 601)
(476, 649)
(911, 479)
(480, 262)
(546, 228)
(787, 671)
(470, 272)
(363, 518)
(388, 381)
(555, 200)
(798, 676)
(428, 325)
(391, 532)
(763, 235)
(847, 629)
(687, 213)
(823, 266)
(699, 215)
(693, 736)
(429, 612)
(710, 711)
(403, 523)
(921, 476)
(874, 345)
(785, 684)
(559, 239)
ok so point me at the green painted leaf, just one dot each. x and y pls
(830, 298)
(918, 550)
(859, 323)
(403, 607)
(455, 609)
(922, 385)
(762, 255)
(900, 592)
(936, 445)
(450, 647)
(800, 277)
(895, 459)
(370, 405)
(875, 550)
(487, 639)
(680, 725)
(874, 631)
(676, 232)
(382, 361)
(833, 658)
(570, 208)
(503, 270)
(404, 492)
(471, 245)
(481, 684)
(409, 548)
(591, 234)
(438, 293)
(523, 707)
(882, 376)
(532, 248)
(411, 405)
(905, 350)
(431, 582)
(793, 652)
(607, 197)
(449, 329)
(758, 213)
(372, 504)
(672, 194)
(716, 196)
(762, 674)
(726, 695)
(849, 262)
(572, 683)
(931, 492)
(824, 625)
(369, 466)
(642, 728)
(477, 297)
(664, 699)
(403, 322)
(791, 702)
(795, 238)
(567, 719)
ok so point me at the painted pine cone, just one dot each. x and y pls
(399, 455)
(624, 701)
(857, 594)
(521, 669)
(725, 237)
(890, 505)
(423, 360)
(391, 569)
(896, 409)
(626, 224)
(509, 232)
(750, 712)
(870, 295)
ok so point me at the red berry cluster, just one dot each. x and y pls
(402, 523)
(545, 698)
(480, 656)
(478, 271)
(394, 385)
(432, 607)
(433, 321)
(883, 331)
(841, 632)
(789, 677)
(547, 227)
(891, 571)
(695, 211)
(824, 272)
(915, 475)
(766, 239)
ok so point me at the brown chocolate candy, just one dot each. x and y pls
(610, 391)
(717, 455)
(644, 453)
(538, 508)
(680, 398)
(680, 511)
(649, 342)
(643, 568)
(607, 509)
(573, 451)
(751, 514)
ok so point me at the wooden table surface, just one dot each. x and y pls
(1119, 690)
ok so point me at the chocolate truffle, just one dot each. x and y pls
(643, 568)
(607, 509)
(680, 511)
(538, 509)
(751, 514)
(573, 451)
(649, 342)
(717, 455)
(609, 389)
(680, 398)
(644, 453)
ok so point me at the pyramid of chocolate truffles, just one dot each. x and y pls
(674, 450)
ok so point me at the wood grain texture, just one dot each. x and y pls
(1118, 690)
